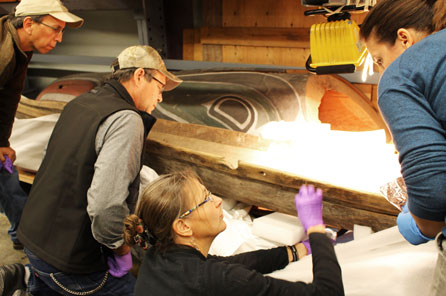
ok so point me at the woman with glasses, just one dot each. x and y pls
(177, 220)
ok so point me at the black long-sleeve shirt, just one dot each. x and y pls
(182, 270)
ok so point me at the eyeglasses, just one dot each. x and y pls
(208, 198)
(156, 79)
(163, 84)
(57, 30)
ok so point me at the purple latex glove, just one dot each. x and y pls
(309, 206)
(307, 245)
(119, 265)
(7, 165)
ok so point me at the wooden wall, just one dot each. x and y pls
(268, 32)
(253, 31)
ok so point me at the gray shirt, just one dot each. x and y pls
(119, 143)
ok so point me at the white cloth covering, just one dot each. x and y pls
(29, 138)
(382, 263)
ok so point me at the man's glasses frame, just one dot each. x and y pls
(156, 79)
(57, 30)
(208, 198)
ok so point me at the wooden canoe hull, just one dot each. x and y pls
(227, 175)
(222, 157)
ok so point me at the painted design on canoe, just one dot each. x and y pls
(247, 100)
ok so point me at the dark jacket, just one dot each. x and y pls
(183, 270)
(55, 225)
(13, 65)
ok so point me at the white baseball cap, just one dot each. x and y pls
(55, 8)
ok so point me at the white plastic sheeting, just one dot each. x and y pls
(382, 263)
(29, 138)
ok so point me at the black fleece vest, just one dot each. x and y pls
(55, 224)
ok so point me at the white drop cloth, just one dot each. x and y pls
(379, 264)
(383, 263)
(29, 139)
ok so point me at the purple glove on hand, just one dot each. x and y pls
(119, 265)
(309, 206)
(7, 165)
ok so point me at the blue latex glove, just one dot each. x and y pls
(309, 206)
(409, 229)
(405, 208)
(7, 165)
(119, 265)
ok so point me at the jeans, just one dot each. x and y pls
(438, 287)
(12, 200)
(41, 284)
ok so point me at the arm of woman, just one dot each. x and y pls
(265, 261)
(222, 278)
(327, 274)
(262, 261)
(411, 100)
(428, 227)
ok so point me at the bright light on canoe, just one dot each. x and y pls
(360, 160)
(368, 67)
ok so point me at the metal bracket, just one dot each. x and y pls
(152, 26)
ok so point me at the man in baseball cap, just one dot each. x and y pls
(89, 180)
(54, 8)
(36, 25)
(142, 56)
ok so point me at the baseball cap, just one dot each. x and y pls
(55, 8)
(144, 56)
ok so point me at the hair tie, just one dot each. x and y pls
(143, 236)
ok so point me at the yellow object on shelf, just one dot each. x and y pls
(336, 44)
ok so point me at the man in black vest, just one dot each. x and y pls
(88, 182)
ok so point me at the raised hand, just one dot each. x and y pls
(309, 206)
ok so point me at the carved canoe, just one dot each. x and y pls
(225, 155)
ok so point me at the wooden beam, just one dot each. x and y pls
(242, 181)
(266, 37)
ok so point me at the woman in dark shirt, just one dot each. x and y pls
(179, 218)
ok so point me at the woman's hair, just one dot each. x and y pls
(386, 17)
(162, 202)
(440, 15)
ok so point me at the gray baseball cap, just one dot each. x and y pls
(55, 8)
(144, 56)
